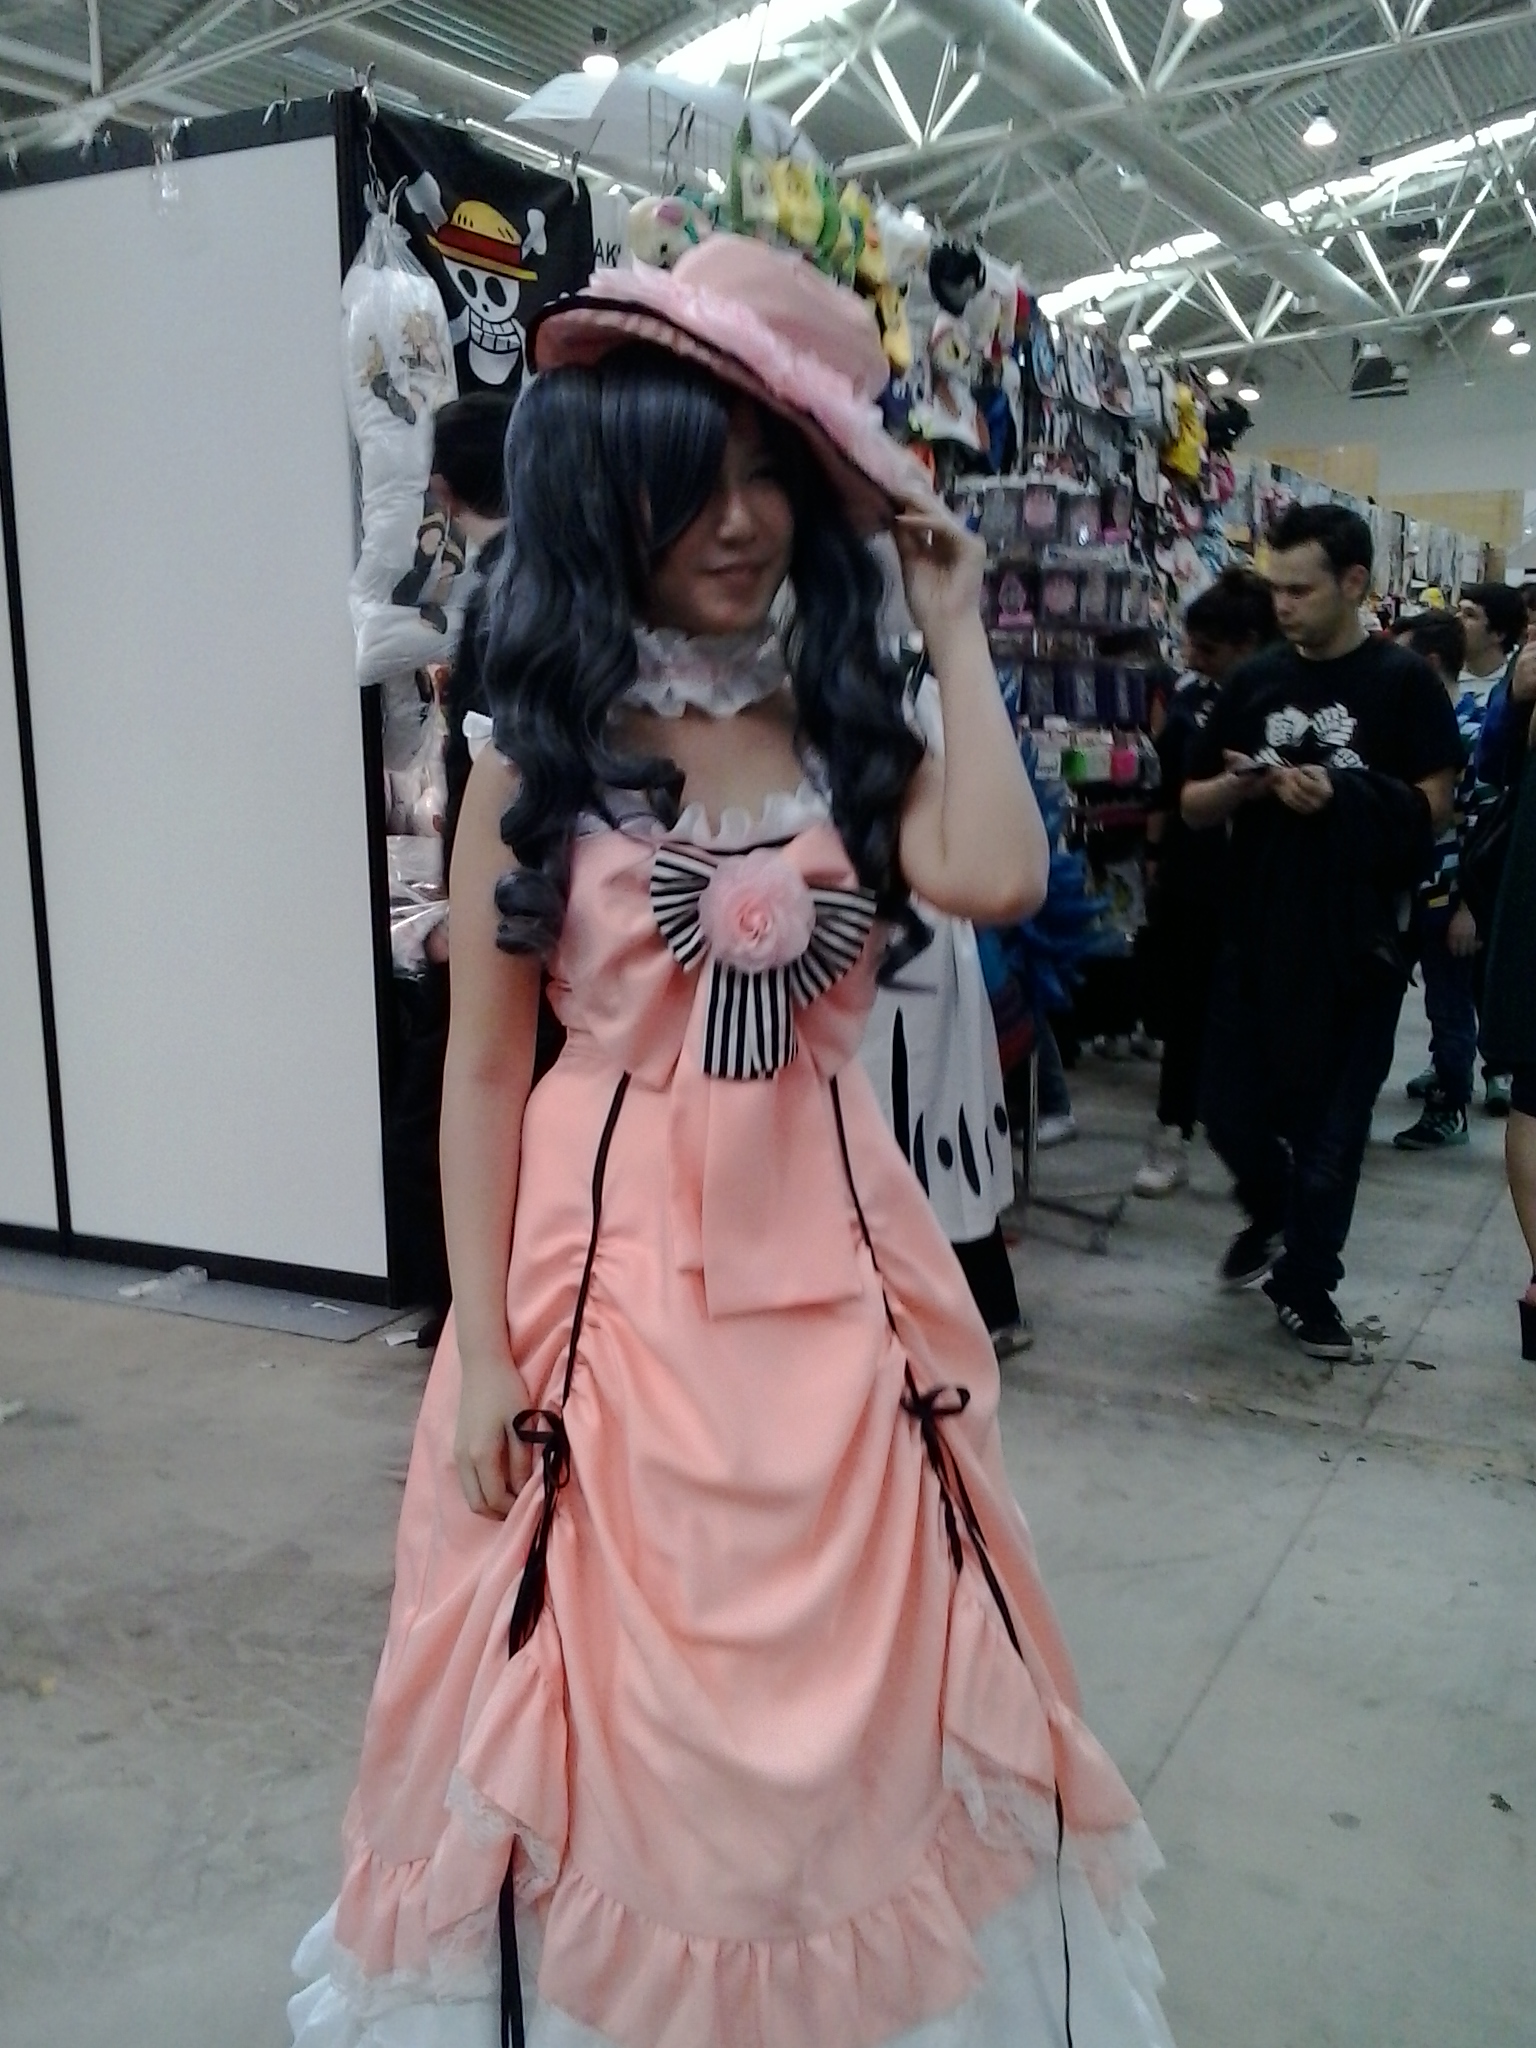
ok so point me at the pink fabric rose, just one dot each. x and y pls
(757, 912)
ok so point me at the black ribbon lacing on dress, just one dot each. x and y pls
(544, 1431)
(928, 1409)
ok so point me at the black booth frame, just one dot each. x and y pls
(343, 117)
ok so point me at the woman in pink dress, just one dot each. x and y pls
(721, 1705)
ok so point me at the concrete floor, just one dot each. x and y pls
(1303, 1601)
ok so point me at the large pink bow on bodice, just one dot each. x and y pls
(758, 1201)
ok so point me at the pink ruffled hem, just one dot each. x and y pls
(428, 1928)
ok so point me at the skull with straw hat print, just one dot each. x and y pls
(487, 265)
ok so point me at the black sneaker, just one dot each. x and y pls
(1316, 1325)
(1438, 1127)
(1250, 1256)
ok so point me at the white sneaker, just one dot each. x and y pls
(1166, 1166)
(1055, 1130)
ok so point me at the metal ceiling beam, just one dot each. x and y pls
(1199, 351)
(1048, 72)
(482, 88)
(86, 115)
(169, 45)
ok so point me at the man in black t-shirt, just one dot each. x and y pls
(1334, 756)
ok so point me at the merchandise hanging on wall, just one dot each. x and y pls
(408, 589)
(497, 239)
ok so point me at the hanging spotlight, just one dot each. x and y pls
(1092, 315)
(1138, 342)
(1250, 394)
(600, 62)
(1457, 281)
(1216, 376)
(1503, 325)
(1520, 346)
(1202, 10)
(1320, 132)
(1431, 253)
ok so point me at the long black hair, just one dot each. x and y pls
(606, 467)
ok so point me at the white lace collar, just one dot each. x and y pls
(719, 676)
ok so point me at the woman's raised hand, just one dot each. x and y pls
(942, 565)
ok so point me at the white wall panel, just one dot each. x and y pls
(26, 1149)
(185, 525)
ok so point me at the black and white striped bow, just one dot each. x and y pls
(749, 1030)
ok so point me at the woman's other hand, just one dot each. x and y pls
(493, 1465)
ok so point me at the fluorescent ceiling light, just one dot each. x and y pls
(716, 182)
(1320, 132)
(955, 105)
(736, 42)
(1520, 346)
(1503, 325)
(1093, 316)
(895, 95)
(1457, 281)
(600, 64)
(1202, 10)
(1433, 253)
(1217, 376)
(1179, 250)
(815, 98)
(1139, 342)
(1250, 394)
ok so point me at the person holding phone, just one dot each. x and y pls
(1333, 756)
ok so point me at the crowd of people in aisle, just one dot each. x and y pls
(1340, 806)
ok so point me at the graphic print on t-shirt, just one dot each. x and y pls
(1297, 739)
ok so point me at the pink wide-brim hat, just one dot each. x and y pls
(768, 324)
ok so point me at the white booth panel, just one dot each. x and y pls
(27, 1192)
(184, 512)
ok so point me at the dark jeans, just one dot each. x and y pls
(1295, 1152)
(1450, 1003)
(1188, 965)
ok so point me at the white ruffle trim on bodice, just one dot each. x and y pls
(784, 814)
(1019, 2003)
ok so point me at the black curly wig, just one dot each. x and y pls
(606, 467)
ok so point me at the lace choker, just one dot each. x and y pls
(716, 675)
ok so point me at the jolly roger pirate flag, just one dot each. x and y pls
(499, 241)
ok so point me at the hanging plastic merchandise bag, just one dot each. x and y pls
(409, 588)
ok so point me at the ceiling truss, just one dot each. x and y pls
(1189, 88)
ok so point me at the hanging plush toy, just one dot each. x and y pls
(749, 195)
(890, 302)
(1184, 451)
(869, 265)
(797, 201)
(905, 241)
(951, 413)
(661, 229)
(992, 310)
(955, 275)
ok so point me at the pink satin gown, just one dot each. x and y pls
(770, 1770)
